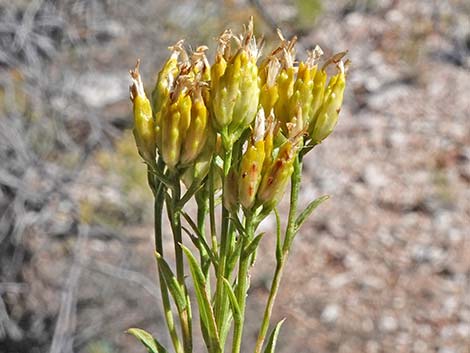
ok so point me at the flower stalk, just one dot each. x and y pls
(174, 214)
(158, 212)
(281, 256)
(242, 282)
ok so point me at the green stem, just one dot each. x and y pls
(294, 197)
(159, 190)
(242, 285)
(270, 304)
(221, 300)
(212, 209)
(175, 220)
(202, 210)
(281, 261)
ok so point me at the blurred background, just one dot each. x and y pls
(382, 267)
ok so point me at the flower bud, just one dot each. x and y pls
(269, 94)
(230, 193)
(200, 67)
(220, 64)
(274, 181)
(303, 94)
(182, 119)
(277, 174)
(234, 85)
(197, 131)
(251, 164)
(174, 120)
(268, 143)
(285, 84)
(166, 77)
(319, 84)
(144, 126)
(285, 80)
(329, 110)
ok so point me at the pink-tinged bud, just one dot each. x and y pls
(277, 175)
(251, 164)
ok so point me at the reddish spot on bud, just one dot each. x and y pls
(338, 110)
(270, 180)
(279, 164)
(251, 190)
(254, 168)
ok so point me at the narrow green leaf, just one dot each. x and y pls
(193, 188)
(308, 210)
(271, 346)
(191, 236)
(200, 238)
(160, 176)
(152, 345)
(226, 324)
(240, 228)
(172, 283)
(232, 259)
(233, 300)
(205, 308)
(253, 245)
(232, 311)
(206, 259)
(278, 236)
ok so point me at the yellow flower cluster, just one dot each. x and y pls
(194, 105)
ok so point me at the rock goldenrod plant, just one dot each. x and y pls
(234, 133)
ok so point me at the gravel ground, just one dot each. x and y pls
(382, 267)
